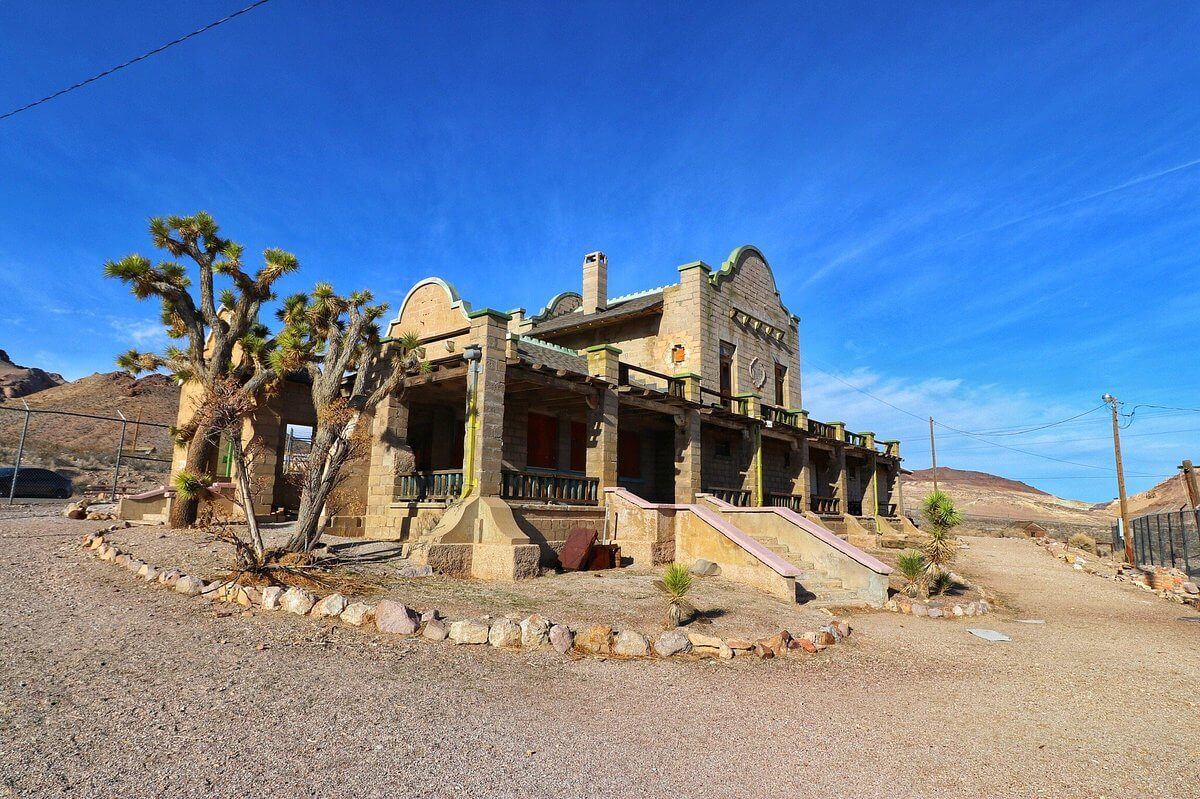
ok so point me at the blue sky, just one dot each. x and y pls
(987, 212)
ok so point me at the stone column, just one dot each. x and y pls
(390, 456)
(805, 487)
(603, 362)
(489, 329)
(688, 458)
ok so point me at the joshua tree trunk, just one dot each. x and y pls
(325, 460)
(200, 451)
(242, 476)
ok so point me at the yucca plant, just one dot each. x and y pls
(942, 582)
(912, 568)
(676, 582)
(941, 518)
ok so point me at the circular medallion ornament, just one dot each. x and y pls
(758, 373)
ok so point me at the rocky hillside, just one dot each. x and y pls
(993, 504)
(1170, 494)
(21, 381)
(85, 449)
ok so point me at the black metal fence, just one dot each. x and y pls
(1165, 539)
(55, 454)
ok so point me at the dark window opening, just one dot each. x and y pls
(726, 370)
(542, 441)
(629, 455)
(780, 383)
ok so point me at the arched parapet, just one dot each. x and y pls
(431, 306)
(563, 303)
(747, 264)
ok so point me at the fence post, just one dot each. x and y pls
(120, 449)
(12, 487)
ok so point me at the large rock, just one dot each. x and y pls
(469, 631)
(393, 617)
(298, 601)
(631, 644)
(672, 642)
(134, 565)
(705, 568)
(332, 605)
(595, 640)
(709, 645)
(189, 586)
(1190, 588)
(358, 613)
(778, 643)
(505, 632)
(436, 630)
(561, 638)
(148, 573)
(535, 632)
(169, 577)
(272, 595)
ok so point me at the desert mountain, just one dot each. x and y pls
(989, 503)
(21, 381)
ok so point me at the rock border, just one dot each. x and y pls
(929, 609)
(533, 632)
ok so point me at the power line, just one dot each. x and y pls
(133, 61)
(1096, 438)
(964, 432)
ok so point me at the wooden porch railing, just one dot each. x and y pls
(792, 501)
(854, 507)
(671, 386)
(571, 489)
(726, 401)
(773, 413)
(821, 504)
(855, 439)
(820, 429)
(423, 486)
(734, 496)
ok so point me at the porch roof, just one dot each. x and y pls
(643, 305)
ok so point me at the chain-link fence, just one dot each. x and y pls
(1166, 539)
(52, 454)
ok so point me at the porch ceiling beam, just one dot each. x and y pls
(708, 417)
(582, 389)
(436, 376)
(654, 407)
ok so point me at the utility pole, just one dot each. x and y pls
(933, 453)
(1127, 533)
(1189, 482)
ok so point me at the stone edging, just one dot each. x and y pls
(533, 632)
(933, 610)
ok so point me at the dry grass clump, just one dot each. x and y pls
(1083, 541)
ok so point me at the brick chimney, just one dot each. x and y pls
(595, 282)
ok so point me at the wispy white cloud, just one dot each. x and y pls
(145, 333)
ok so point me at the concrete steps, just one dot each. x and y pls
(811, 581)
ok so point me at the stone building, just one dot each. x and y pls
(625, 414)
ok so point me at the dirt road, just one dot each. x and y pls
(114, 689)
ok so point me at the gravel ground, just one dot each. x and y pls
(624, 598)
(114, 689)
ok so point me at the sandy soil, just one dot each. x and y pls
(114, 689)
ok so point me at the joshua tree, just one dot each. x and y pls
(912, 566)
(676, 582)
(941, 518)
(219, 331)
(336, 340)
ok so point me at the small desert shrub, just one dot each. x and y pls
(676, 582)
(912, 566)
(1083, 541)
(942, 582)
